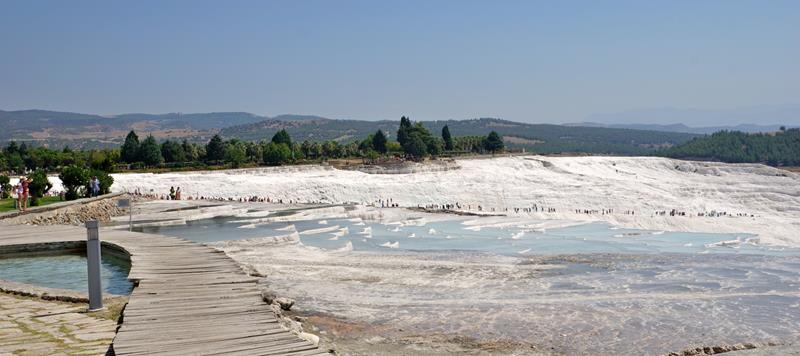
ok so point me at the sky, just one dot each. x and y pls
(531, 61)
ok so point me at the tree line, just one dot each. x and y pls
(77, 167)
(781, 148)
(414, 141)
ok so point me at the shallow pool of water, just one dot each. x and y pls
(583, 289)
(65, 271)
(457, 235)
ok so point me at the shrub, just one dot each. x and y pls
(75, 179)
(235, 153)
(5, 187)
(277, 154)
(39, 186)
(105, 181)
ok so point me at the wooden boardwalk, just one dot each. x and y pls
(190, 299)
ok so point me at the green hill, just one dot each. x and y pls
(781, 148)
(542, 138)
(57, 129)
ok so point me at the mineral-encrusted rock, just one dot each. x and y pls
(284, 303)
(268, 296)
(314, 339)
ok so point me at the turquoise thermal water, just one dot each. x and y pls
(65, 271)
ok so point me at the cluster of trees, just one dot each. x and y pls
(413, 141)
(77, 167)
(20, 158)
(77, 181)
(36, 162)
(234, 152)
(149, 153)
(780, 148)
(417, 142)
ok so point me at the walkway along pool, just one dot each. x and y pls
(65, 268)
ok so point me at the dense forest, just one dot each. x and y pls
(781, 148)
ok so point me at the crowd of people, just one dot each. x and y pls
(536, 208)
(175, 194)
(22, 195)
(388, 203)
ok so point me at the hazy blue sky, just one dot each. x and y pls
(554, 61)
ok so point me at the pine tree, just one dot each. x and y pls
(379, 142)
(150, 152)
(404, 131)
(12, 148)
(129, 153)
(493, 143)
(282, 137)
(215, 149)
(448, 140)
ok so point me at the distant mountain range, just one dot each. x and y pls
(57, 129)
(768, 118)
(544, 138)
(750, 128)
(66, 128)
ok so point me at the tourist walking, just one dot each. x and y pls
(171, 193)
(25, 182)
(19, 192)
(178, 194)
(95, 186)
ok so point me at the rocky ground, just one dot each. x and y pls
(77, 213)
(31, 326)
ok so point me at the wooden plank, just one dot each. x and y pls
(191, 299)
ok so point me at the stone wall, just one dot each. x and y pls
(70, 213)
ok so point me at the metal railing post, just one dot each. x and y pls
(93, 264)
(130, 217)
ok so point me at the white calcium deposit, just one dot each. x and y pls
(644, 185)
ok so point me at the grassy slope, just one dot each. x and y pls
(8, 204)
